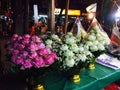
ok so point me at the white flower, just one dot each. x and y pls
(48, 42)
(91, 37)
(69, 53)
(95, 42)
(70, 34)
(74, 48)
(98, 35)
(93, 48)
(89, 43)
(81, 49)
(86, 47)
(49, 46)
(100, 38)
(70, 41)
(102, 42)
(64, 47)
(107, 42)
(69, 62)
(55, 37)
(101, 47)
(82, 57)
(87, 53)
(67, 36)
(92, 31)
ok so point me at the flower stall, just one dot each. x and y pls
(38, 55)
(51, 59)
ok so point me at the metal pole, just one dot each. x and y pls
(51, 16)
(26, 17)
(66, 16)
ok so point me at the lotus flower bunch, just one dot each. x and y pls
(29, 51)
(68, 48)
(97, 40)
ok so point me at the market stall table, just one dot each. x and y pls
(95, 79)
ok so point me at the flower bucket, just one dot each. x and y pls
(92, 66)
(73, 74)
(35, 83)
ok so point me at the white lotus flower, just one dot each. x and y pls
(86, 47)
(101, 47)
(98, 35)
(49, 46)
(48, 42)
(81, 49)
(70, 41)
(107, 42)
(55, 37)
(74, 48)
(93, 48)
(89, 43)
(91, 37)
(95, 42)
(87, 53)
(70, 34)
(82, 57)
(64, 47)
(100, 38)
(69, 62)
(69, 53)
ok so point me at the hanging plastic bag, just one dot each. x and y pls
(78, 30)
(114, 48)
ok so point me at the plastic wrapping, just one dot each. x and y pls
(97, 40)
(78, 29)
(114, 48)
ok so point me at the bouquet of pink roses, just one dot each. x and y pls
(29, 51)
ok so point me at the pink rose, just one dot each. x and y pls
(38, 62)
(25, 42)
(15, 35)
(19, 38)
(32, 47)
(13, 59)
(27, 64)
(41, 45)
(26, 36)
(44, 51)
(16, 45)
(35, 39)
(33, 55)
(14, 39)
(54, 56)
(19, 60)
(24, 53)
(15, 52)
(49, 60)
(21, 47)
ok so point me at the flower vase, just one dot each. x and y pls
(35, 83)
(73, 74)
(96, 55)
(38, 87)
(75, 78)
(91, 66)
